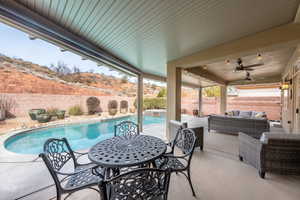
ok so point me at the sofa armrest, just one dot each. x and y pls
(250, 150)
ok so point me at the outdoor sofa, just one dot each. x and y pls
(276, 152)
(249, 122)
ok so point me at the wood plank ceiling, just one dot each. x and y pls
(149, 33)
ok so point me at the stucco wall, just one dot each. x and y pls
(211, 105)
(26, 102)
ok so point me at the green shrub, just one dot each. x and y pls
(52, 111)
(153, 103)
(162, 93)
(75, 110)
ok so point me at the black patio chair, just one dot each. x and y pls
(185, 142)
(140, 184)
(126, 128)
(57, 154)
(174, 128)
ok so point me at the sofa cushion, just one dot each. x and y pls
(234, 112)
(230, 113)
(258, 114)
(245, 114)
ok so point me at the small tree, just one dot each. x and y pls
(124, 79)
(61, 69)
(124, 106)
(76, 70)
(112, 107)
(92, 104)
(162, 92)
(213, 91)
(7, 105)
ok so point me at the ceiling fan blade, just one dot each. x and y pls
(255, 65)
(249, 69)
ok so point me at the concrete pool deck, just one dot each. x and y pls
(216, 174)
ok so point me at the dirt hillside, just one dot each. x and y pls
(18, 76)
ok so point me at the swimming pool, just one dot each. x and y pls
(80, 136)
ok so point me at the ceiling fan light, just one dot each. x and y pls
(227, 62)
(285, 86)
(259, 57)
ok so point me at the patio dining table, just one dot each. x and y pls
(127, 151)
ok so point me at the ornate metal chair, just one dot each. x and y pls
(57, 154)
(174, 128)
(141, 184)
(185, 143)
(126, 128)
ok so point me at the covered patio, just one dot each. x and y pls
(184, 43)
(216, 173)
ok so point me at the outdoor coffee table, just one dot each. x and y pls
(127, 151)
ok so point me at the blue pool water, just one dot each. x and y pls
(80, 136)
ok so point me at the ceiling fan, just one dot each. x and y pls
(240, 67)
(248, 77)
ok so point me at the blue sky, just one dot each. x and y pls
(15, 43)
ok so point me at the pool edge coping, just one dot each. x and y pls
(30, 157)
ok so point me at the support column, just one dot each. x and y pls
(200, 102)
(223, 99)
(173, 95)
(140, 94)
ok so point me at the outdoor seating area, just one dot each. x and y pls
(215, 166)
(129, 165)
(235, 123)
(272, 152)
(150, 100)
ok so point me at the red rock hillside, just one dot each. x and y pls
(18, 76)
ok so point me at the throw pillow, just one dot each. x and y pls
(236, 112)
(230, 113)
(245, 114)
(259, 115)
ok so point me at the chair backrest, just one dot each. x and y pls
(57, 152)
(126, 128)
(185, 141)
(174, 126)
(141, 184)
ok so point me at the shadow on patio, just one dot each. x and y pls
(217, 173)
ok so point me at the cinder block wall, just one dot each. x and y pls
(211, 105)
(26, 102)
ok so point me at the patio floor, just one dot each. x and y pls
(216, 174)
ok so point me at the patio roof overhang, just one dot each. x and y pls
(36, 26)
(142, 36)
(183, 41)
(277, 46)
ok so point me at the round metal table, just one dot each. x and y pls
(122, 151)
